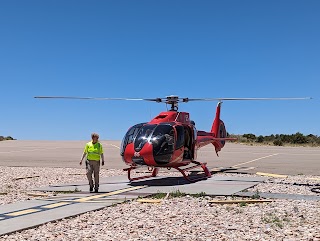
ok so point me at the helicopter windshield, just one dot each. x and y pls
(161, 137)
(162, 140)
(142, 136)
(129, 137)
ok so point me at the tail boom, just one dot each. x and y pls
(205, 138)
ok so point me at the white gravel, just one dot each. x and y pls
(289, 185)
(184, 218)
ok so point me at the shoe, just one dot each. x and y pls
(91, 189)
(96, 190)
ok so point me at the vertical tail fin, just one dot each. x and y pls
(216, 122)
(219, 130)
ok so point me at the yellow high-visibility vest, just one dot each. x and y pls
(93, 151)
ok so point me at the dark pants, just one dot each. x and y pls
(93, 167)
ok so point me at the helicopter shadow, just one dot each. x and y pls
(163, 181)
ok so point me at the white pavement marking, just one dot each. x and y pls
(255, 160)
(30, 150)
(232, 152)
(241, 152)
(113, 146)
(300, 154)
(247, 169)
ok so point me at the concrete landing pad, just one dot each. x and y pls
(113, 190)
(33, 213)
(216, 185)
(28, 214)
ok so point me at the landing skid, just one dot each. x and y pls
(206, 171)
(154, 173)
(189, 178)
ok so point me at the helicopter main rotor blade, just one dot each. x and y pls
(167, 100)
(94, 98)
(220, 99)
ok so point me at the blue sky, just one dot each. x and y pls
(153, 49)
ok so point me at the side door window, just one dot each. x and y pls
(180, 137)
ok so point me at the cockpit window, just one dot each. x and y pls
(129, 137)
(163, 140)
(142, 136)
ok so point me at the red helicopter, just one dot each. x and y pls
(171, 140)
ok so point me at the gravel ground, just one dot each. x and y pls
(182, 218)
(292, 185)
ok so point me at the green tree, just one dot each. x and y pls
(260, 139)
(286, 138)
(278, 142)
(299, 138)
(250, 136)
(269, 138)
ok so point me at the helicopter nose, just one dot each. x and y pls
(144, 155)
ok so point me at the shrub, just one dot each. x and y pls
(278, 143)
(250, 137)
(299, 138)
(260, 139)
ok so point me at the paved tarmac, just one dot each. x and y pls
(243, 158)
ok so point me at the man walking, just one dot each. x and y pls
(94, 151)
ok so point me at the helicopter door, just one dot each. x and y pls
(179, 147)
(129, 137)
(194, 147)
(188, 151)
(180, 137)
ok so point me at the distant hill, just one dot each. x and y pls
(6, 138)
(279, 139)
